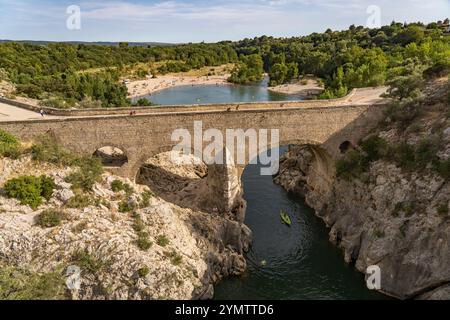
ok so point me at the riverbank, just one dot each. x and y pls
(146, 87)
(306, 88)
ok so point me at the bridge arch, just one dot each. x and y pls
(111, 156)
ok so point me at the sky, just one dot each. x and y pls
(181, 21)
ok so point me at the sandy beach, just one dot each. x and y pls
(145, 87)
(307, 88)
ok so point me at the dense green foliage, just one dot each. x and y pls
(30, 190)
(65, 75)
(9, 145)
(50, 218)
(90, 170)
(79, 201)
(248, 70)
(18, 284)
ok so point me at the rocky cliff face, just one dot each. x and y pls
(391, 217)
(189, 250)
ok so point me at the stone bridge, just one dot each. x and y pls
(331, 125)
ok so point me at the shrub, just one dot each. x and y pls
(30, 190)
(442, 168)
(80, 227)
(143, 272)
(403, 113)
(46, 149)
(379, 233)
(117, 186)
(352, 165)
(426, 151)
(138, 224)
(17, 284)
(89, 103)
(88, 262)
(9, 145)
(89, 172)
(442, 210)
(145, 199)
(143, 241)
(143, 102)
(47, 187)
(79, 201)
(174, 257)
(126, 206)
(404, 155)
(57, 103)
(162, 241)
(374, 147)
(50, 218)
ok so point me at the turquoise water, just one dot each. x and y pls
(218, 94)
(295, 262)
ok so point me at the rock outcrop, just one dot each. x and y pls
(391, 217)
(197, 250)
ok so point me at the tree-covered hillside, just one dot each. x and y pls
(356, 57)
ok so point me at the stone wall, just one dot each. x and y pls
(145, 135)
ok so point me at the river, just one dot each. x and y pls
(284, 262)
(296, 262)
(218, 94)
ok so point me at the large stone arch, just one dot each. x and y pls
(223, 180)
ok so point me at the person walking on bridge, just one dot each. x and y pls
(42, 112)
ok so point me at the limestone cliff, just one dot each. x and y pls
(188, 250)
(395, 213)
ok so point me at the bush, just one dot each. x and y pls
(89, 172)
(46, 149)
(352, 165)
(143, 241)
(118, 186)
(403, 113)
(375, 148)
(47, 187)
(57, 103)
(30, 190)
(403, 155)
(145, 199)
(50, 218)
(79, 201)
(138, 224)
(143, 272)
(143, 102)
(88, 262)
(162, 241)
(9, 145)
(125, 206)
(442, 210)
(442, 168)
(17, 284)
(175, 258)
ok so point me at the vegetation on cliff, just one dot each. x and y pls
(414, 97)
